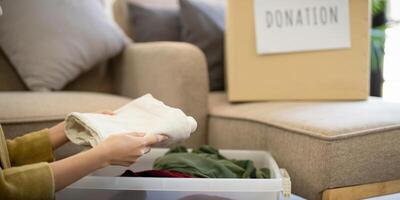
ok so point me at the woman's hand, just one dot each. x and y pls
(125, 149)
(120, 149)
(57, 134)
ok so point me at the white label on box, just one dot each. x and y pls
(301, 25)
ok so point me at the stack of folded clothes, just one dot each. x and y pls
(144, 115)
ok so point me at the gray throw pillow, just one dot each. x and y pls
(149, 23)
(51, 42)
(203, 24)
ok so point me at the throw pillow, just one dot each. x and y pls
(203, 24)
(52, 42)
(150, 23)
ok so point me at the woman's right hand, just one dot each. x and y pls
(125, 149)
(119, 149)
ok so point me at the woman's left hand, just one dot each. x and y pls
(57, 134)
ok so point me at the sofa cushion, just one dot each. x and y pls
(50, 43)
(203, 24)
(9, 78)
(322, 144)
(97, 79)
(153, 23)
(328, 120)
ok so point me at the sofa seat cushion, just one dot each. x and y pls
(26, 107)
(321, 144)
(23, 112)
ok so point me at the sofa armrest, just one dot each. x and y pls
(173, 72)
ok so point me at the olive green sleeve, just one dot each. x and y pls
(30, 148)
(28, 182)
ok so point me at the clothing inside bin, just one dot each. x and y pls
(155, 173)
(203, 197)
(207, 162)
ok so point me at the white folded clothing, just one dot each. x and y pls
(145, 115)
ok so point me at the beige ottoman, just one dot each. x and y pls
(322, 144)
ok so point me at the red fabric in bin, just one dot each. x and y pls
(155, 173)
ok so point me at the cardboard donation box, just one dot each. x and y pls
(297, 49)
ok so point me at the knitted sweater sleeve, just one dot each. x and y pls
(31, 148)
(29, 176)
(27, 182)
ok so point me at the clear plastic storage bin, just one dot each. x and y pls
(104, 184)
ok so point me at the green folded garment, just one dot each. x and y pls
(207, 162)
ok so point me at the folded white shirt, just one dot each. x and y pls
(145, 115)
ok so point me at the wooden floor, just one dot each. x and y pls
(362, 191)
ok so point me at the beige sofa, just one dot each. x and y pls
(170, 71)
(323, 145)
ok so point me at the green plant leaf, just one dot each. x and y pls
(378, 6)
